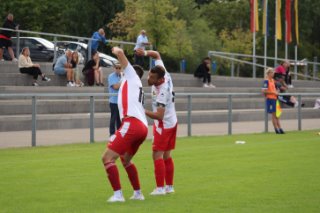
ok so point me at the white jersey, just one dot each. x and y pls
(164, 94)
(131, 96)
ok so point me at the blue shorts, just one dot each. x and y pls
(60, 71)
(271, 105)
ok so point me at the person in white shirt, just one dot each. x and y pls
(142, 42)
(132, 133)
(165, 123)
(26, 66)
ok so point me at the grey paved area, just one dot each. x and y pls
(56, 137)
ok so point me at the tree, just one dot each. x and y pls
(236, 41)
(77, 17)
(167, 34)
(227, 15)
(202, 2)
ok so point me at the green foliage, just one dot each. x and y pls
(77, 17)
(270, 173)
(179, 45)
(177, 28)
(228, 15)
(237, 41)
(167, 34)
(203, 39)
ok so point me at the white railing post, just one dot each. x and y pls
(18, 45)
(229, 114)
(92, 119)
(189, 115)
(34, 121)
(299, 113)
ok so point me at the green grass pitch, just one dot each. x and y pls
(269, 173)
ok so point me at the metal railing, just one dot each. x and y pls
(233, 57)
(55, 36)
(189, 97)
(79, 38)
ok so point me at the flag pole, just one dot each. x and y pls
(275, 35)
(286, 43)
(266, 34)
(295, 62)
(254, 55)
(265, 51)
(254, 43)
(296, 39)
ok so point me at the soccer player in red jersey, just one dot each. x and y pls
(165, 123)
(133, 131)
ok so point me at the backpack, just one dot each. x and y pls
(89, 76)
(88, 72)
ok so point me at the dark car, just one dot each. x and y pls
(40, 48)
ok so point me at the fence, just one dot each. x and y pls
(234, 57)
(189, 97)
(55, 36)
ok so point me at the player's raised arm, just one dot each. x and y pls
(158, 115)
(121, 56)
(151, 53)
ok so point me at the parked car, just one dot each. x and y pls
(105, 60)
(74, 46)
(40, 48)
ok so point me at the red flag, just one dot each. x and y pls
(296, 23)
(288, 21)
(254, 20)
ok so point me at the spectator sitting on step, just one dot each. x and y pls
(203, 70)
(288, 78)
(289, 100)
(317, 104)
(283, 71)
(26, 66)
(63, 66)
(76, 71)
(93, 71)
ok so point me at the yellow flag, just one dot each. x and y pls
(265, 18)
(278, 109)
(278, 18)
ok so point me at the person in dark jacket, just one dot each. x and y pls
(92, 71)
(203, 71)
(5, 37)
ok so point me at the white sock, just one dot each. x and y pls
(137, 192)
(118, 193)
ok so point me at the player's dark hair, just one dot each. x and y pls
(139, 70)
(93, 53)
(159, 70)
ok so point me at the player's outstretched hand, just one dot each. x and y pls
(140, 52)
(116, 50)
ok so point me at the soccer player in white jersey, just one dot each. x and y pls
(165, 123)
(133, 131)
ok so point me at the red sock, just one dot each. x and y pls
(159, 172)
(169, 171)
(113, 175)
(133, 176)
